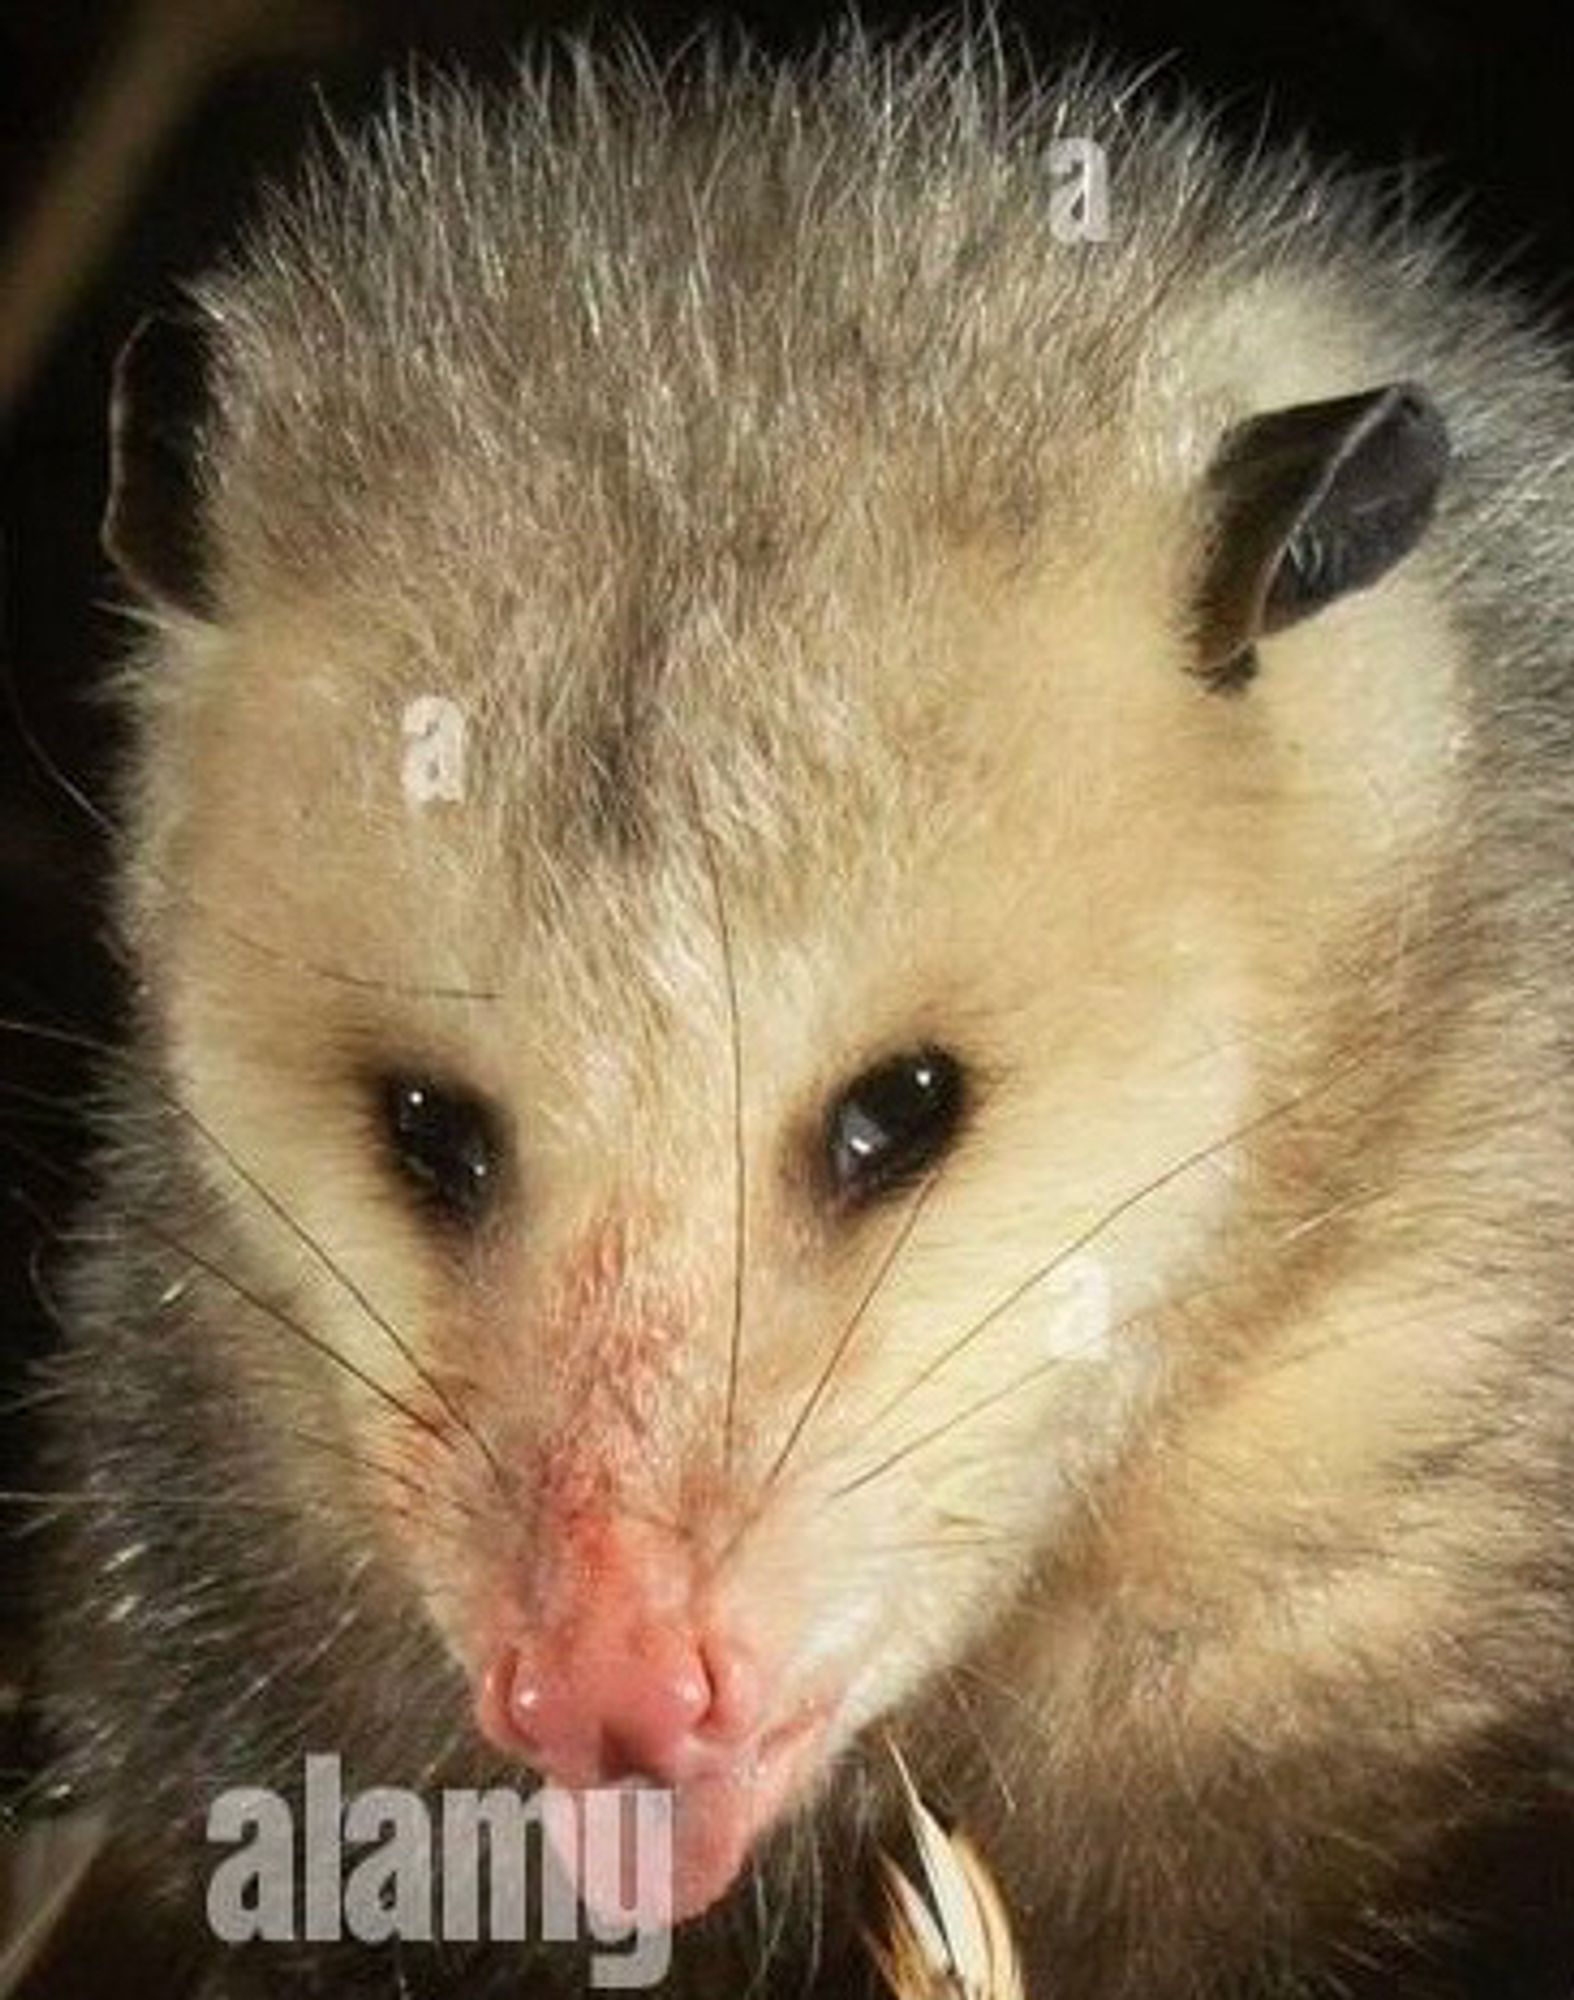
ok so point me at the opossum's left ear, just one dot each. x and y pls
(153, 519)
(1309, 504)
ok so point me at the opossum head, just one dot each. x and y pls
(699, 866)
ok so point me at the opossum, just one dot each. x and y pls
(852, 922)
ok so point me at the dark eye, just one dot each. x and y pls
(894, 1122)
(447, 1144)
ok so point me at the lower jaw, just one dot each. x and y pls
(714, 1825)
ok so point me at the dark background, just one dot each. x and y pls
(1479, 96)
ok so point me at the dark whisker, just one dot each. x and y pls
(1121, 1208)
(900, 1238)
(118, 839)
(270, 1308)
(418, 1489)
(352, 1288)
(1015, 1540)
(740, 1175)
(172, 1502)
(975, 1409)
(280, 1211)
(1156, 1309)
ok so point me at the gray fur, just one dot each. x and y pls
(649, 374)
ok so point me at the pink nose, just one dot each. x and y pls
(621, 1696)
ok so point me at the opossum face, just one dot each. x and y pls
(726, 1226)
(746, 1103)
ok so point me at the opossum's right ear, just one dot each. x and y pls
(1309, 504)
(152, 522)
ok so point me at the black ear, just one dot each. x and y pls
(152, 523)
(1311, 503)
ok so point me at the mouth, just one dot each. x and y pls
(670, 1732)
(627, 1878)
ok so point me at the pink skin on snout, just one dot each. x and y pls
(630, 1683)
(610, 1660)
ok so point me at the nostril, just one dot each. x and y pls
(528, 1708)
(652, 1700)
(736, 1693)
(519, 1705)
(653, 1703)
(691, 1693)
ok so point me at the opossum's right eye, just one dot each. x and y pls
(894, 1122)
(446, 1143)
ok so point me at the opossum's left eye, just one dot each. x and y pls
(446, 1143)
(894, 1121)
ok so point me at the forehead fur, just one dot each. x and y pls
(614, 405)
